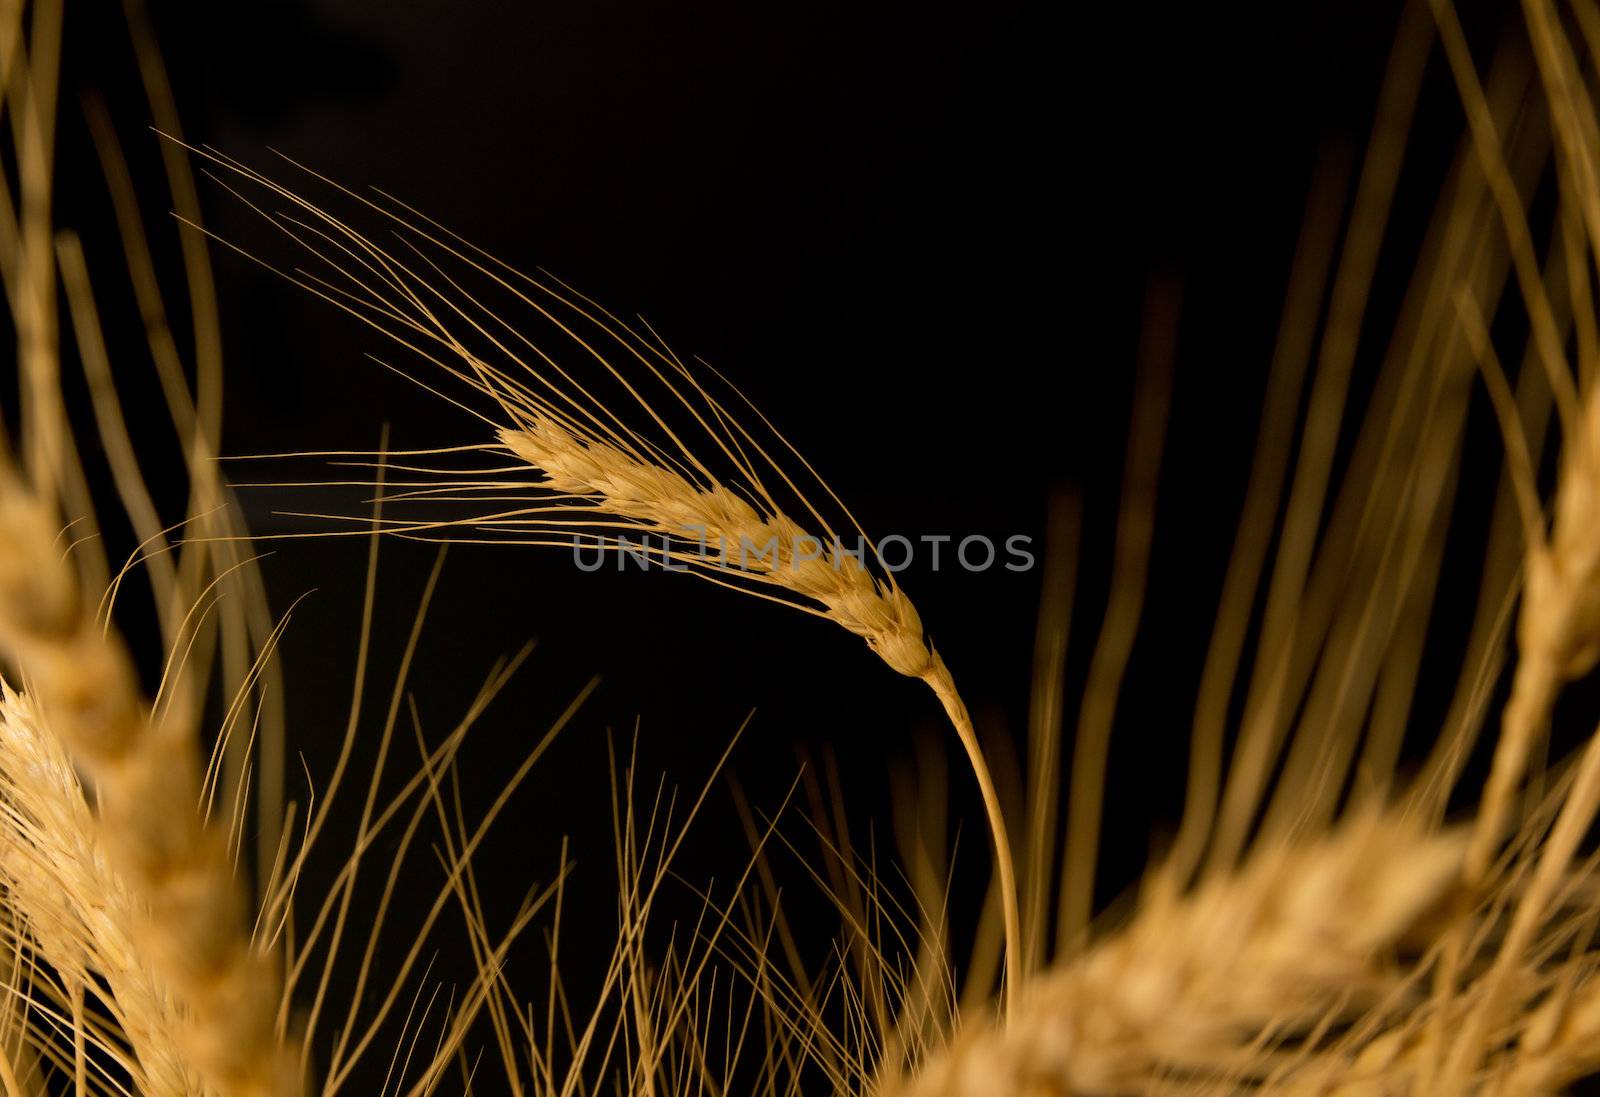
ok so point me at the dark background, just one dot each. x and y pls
(917, 235)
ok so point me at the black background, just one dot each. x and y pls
(917, 235)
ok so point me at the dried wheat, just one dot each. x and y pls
(1195, 985)
(72, 910)
(772, 549)
(143, 768)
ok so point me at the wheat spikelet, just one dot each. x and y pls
(1558, 626)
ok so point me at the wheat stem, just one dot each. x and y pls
(939, 680)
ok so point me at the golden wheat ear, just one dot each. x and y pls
(713, 495)
(74, 923)
(143, 767)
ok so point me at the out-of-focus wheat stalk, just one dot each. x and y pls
(143, 767)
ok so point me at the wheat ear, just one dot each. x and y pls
(774, 550)
(1200, 985)
(610, 475)
(144, 770)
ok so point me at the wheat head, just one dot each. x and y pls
(143, 768)
(771, 547)
(604, 479)
(1200, 985)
